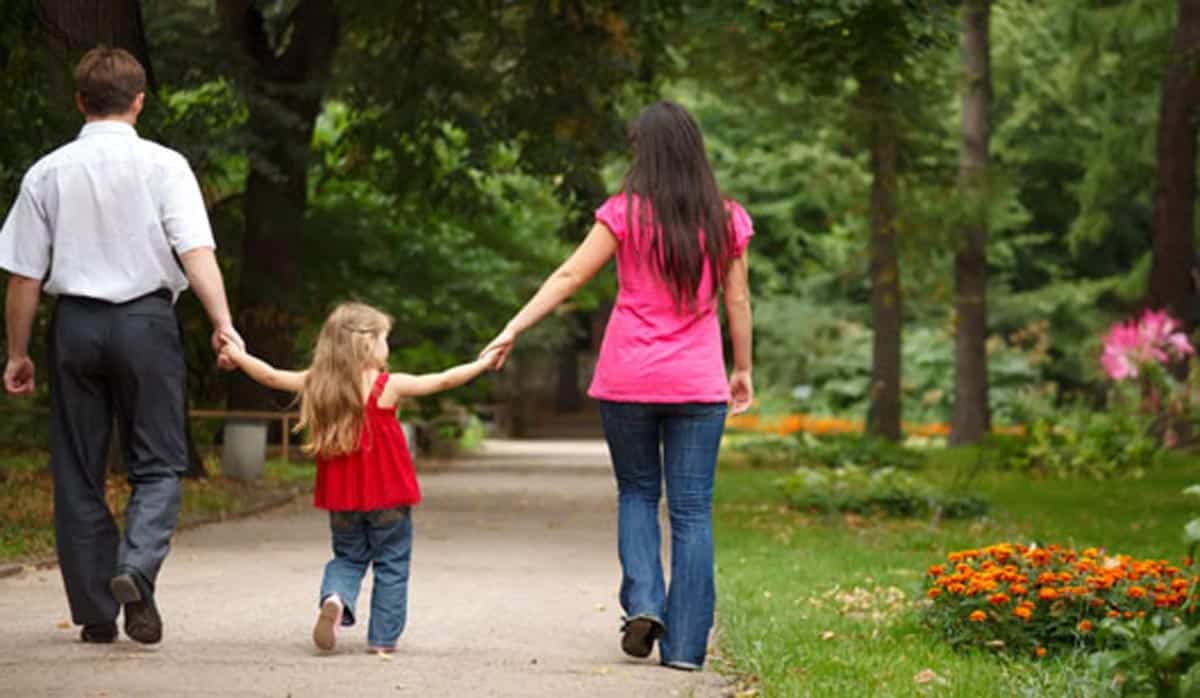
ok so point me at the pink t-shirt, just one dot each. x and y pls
(651, 351)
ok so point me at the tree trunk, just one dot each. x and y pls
(1172, 268)
(883, 415)
(74, 27)
(284, 92)
(971, 421)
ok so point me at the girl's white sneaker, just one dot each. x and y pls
(328, 620)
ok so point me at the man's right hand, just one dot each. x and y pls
(18, 376)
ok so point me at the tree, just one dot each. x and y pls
(971, 420)
(71, 29)
(873, 43)
(284, 79)
(1173, 274)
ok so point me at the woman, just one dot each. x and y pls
(660, 378)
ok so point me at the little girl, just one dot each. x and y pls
(365, 476)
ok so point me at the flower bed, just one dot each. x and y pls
(786, 425)
(1034, 599)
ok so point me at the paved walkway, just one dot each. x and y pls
(512, 594)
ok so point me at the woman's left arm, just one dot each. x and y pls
(591, 256)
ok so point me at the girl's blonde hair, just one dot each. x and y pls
(332, 402)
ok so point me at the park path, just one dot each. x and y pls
(512, 594)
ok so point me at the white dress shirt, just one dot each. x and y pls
(102, 214)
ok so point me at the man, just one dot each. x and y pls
(105, 216)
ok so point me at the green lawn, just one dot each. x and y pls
(27, 511)
(821, 606)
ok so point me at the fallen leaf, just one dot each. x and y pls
(827, 635)
(600, 607)
(602, 670)
(63, 625)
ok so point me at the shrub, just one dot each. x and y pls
(1085, 443)
(862, 451)
(1158, 652)
(887, 490)
(1035, 599)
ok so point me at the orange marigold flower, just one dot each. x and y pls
(1047, 594)
(1128, 615)
(1136, 592)
(977, 617)
(1023, 612)
(934, 593)
(1179, 584)
(1085, 626)
(956, 589)
(937, 571)
(1041, 651)
(998, 599)
(1113, 614)
(1018, 590)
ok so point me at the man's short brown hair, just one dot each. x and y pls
(108, 80)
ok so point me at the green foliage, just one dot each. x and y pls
(822, 355)
(1158, 653)
(888, 491)
(1087, 443)
(1154, 655)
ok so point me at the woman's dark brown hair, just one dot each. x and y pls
(670, 172)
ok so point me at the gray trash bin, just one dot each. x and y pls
(245, 449)
(410, 435)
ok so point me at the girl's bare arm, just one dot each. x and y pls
(262, 372)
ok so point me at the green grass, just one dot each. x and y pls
(780, 573)
(27, 512)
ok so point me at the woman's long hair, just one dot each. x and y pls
(331, 403)
(670, 172)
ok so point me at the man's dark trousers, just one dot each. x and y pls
(125, 360)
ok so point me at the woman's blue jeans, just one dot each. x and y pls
(678, 443)
(382, 539)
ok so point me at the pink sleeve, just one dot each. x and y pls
(612, 215)
(743, 228)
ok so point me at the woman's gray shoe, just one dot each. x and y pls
(638, 637)
(142, 622)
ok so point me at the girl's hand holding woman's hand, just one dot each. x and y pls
(741, 388)
(502, 345)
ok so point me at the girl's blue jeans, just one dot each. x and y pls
(382, 539)
(678, 443)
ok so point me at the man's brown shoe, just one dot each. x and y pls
(99, 633)
(142, 622)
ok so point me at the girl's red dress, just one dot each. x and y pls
(379, 475)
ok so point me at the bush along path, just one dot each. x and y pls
(513, 593)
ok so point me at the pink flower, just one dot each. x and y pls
(1153, 338)
(1122, 349)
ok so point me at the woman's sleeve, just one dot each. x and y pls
(743, 228)
(612, 215)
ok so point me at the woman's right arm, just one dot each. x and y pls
(741, 333)
(595, 251)
(262, 372)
